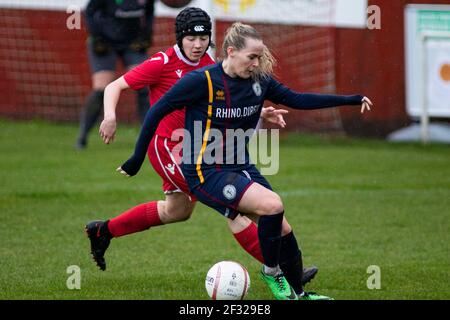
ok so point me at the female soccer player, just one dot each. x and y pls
(118, 30)
(231, 188)
(160, 72)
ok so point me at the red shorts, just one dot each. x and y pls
(166, 164)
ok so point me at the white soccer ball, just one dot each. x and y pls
(227, 280)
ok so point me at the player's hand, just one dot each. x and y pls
(108, 130)
(119, 169)
(366, 104)
(272, 115)
(130, 167)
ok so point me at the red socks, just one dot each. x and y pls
(136, 219)
(144, 216)
(248, 239)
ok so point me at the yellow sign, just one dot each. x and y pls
(243, 5)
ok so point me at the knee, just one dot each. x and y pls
(176, 213)
(180, 215)
(271, 205)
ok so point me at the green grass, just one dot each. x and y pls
(353, 203)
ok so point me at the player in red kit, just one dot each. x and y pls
(160, 73)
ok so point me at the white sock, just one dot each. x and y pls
(272, 271)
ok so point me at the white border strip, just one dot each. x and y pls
(351, 14)
(47, 5)
(161, 10)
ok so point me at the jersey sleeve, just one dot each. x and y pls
(280, 94)
(186, 92)
(147, 73)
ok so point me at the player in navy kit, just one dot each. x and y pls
(225, 100)
(118, 30)
(160, 73)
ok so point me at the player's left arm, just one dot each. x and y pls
(280, 94)
(184, 93)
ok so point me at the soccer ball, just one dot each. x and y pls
(176, 3)
(227, 280)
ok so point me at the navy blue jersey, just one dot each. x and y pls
(218, 105)
(119, 22)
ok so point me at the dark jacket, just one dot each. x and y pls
(120, 22)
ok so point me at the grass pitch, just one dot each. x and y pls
(352, 203)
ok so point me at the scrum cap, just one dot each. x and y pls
(192, 22)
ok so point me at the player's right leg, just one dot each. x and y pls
(264, 204)
(278, 243)
(231, 193)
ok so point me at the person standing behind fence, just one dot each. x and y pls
(118, 30)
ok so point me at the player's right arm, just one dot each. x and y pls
(146, 74)
(111, 98)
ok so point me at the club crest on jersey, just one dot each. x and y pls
(229, 191)
(220, 95)
(257, 88)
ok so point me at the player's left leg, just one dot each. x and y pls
(136, 219)
(245, 231)
(176, 207)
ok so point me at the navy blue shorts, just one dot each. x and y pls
(223, 190)
(108, 61)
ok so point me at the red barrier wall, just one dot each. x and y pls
(365, 61)
(373, 62)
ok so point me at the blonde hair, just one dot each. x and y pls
(236, 37)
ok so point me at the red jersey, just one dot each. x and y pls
(159, 73)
